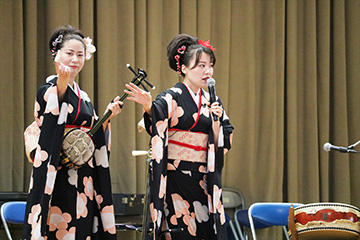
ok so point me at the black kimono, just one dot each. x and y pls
(68, 203)
(186, 193)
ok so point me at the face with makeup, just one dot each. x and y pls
(197, 75)
(72, 55)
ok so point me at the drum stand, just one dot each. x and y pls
(146, 230)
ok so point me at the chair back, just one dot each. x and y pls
(12, 212)
(241, 216)
(232, 199)
(271, 213)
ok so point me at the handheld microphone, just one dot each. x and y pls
(328, 147)
(211, 86)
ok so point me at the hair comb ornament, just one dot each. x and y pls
(180, 50)
(206, 44)
(59, 39)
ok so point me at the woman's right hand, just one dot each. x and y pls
(63, 71)
(140, 96)
(63, 79)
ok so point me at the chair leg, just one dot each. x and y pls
(233, 230)
(239, 230)
(286, 232)
(5, 224)
(252, 224)
(242, 235)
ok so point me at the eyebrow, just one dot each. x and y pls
(203, 62)
(72, 50)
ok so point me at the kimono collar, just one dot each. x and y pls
(197, 100)
(196, 97)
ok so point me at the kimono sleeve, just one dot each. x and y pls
(159, 132)
(227, 129)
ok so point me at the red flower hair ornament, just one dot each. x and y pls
(206, 44)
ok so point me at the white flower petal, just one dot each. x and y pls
(58, 57)
(63, 114)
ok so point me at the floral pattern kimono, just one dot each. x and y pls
(186, 194)
(66, 203)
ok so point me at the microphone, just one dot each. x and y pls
(211, 86)
(328, 147)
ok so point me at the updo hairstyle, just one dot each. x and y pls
(63, 34)
(191, 49)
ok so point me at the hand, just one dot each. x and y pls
(63, 79)
(115, 107)
(63, 72)
(140, 96)
(216, 109)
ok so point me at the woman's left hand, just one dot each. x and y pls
(216, 109)
(115, 107)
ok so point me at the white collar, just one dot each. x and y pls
(196, 97)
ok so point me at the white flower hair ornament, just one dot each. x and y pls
(90, 48)
(57, 57)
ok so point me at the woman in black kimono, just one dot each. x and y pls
(66, 203)
(188, 146)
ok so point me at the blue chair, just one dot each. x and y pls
(242, 220)
(229, 228)
(271, 214)
(12, 212)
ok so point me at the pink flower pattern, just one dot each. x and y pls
(181, 207)
(51, 98)
(63, 234)
(162, 191)
(38, 120)
(162, 127)
(81, 209)
(107, 216)
(40, 157)
(157, 148)
(50, 180)
(89, 187)
(58, 219)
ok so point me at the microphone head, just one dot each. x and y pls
(210, 82)
(327, 147)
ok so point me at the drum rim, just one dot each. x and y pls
(327, 204)
(327, 229)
